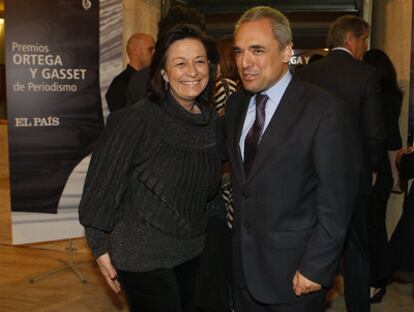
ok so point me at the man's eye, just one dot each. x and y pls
(257, 51)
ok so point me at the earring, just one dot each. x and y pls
(166, 84)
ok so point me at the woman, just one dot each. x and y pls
(387, 179)
(154, 179)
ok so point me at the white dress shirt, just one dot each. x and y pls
(275, 94)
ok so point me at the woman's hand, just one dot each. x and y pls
(109, 272)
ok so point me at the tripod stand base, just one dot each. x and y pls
(66, 265)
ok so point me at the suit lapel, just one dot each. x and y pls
(289, 107)
(234, 148)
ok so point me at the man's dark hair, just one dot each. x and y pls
(157, 90)
(341, 26)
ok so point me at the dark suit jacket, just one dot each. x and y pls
(291, 211)
(358, 85)
(137, 86)
(116, 96)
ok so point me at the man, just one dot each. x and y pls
(140, 48)
(288, 154)
(342, 73)
(177, 14)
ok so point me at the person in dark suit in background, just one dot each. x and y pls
(287, 148)
(402, 240)
(177, 14)
(388, 176)
(343, 74)
(314, 58)
(140, 48)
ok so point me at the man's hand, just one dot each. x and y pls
(109, 272)
(402, 152)
(303, 286)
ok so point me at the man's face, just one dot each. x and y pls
(146, 51)
(260, 60)
(357, 45)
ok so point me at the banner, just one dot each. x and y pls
(302, 57)
(53, 96)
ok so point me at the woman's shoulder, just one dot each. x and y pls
(144, 106)
(136, 117)
(143, 109)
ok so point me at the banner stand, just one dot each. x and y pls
(69, 264)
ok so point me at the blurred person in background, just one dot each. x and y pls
(401, 245)
(357, 85)
(388, 177)
(140, 48)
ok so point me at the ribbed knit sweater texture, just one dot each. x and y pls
(151, 185)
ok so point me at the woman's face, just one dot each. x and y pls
(186, 70)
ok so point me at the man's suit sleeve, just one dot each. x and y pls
(113, 95)
(373, 121)
(332, 162)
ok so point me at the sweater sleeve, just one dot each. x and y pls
(107, 176)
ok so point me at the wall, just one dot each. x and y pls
(2, 56)
(392, 32)
(140, 16)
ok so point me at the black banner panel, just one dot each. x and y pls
(53, 96)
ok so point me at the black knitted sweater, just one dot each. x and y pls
(152, 183)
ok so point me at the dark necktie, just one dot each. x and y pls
(255, 133)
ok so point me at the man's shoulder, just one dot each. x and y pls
(309, 88)
(335, 70)
(239, 94)
(313, 95)
(348, 62)
(237, 98)
(140, 75)
(123, 75)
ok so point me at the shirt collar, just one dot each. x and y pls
(276, 91)
(343, 49)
